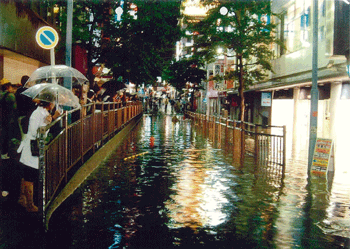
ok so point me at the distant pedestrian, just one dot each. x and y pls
(166, 101)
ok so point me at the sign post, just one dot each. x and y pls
(47, 38)
(314, 89)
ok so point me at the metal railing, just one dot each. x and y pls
(77, 136)
(266, 143)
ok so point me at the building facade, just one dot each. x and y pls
(284, 98)
(290, 84)
(20, 53)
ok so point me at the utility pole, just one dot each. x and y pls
(68, 83)
(314, 89)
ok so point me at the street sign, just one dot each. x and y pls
(47, 37)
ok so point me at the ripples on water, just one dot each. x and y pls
(186, 191)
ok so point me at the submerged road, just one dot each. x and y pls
(169, 186)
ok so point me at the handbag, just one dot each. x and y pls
(34, 148)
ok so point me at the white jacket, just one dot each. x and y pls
(37, 119)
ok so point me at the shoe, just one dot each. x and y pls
(28, 192)
(5, 156)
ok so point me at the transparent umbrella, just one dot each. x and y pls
(53, 93)
(56, 74)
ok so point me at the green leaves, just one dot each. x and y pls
(134, 48)
(179, 73)
(246, 30)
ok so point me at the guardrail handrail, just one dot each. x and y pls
(79, 135)
(266, 142)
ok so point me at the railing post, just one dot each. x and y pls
(256, 144)
(42, 173)
(109, 119)
(65, 147)
(102, 120)
(284, 149)
(82, 134)
(94, 126)
(242, 142)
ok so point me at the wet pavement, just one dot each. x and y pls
(169, 186)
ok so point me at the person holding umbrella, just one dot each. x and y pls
(49, 95)
(39, 118)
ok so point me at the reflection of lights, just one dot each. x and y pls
(212, 203)
(200, 195)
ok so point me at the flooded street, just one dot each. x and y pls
(169, 186)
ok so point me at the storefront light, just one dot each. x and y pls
(56, 9)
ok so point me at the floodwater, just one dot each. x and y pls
(169, 186)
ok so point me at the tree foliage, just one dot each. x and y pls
(186, 70)
(243, 33)
(140, 48)
(89, 23)
(135, 50)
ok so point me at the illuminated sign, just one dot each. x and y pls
(266, 99)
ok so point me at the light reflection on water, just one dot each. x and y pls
(187, 192)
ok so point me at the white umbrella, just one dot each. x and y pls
(53, 93)
(56, 74)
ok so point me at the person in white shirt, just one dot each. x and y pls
(39, 118)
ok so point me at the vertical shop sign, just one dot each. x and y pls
(266, 99)
(322, 158)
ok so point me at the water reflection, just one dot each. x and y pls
(182, 190)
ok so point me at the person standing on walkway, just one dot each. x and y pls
(9, 127)
(166, 101)
(40, 117)
(25, 104)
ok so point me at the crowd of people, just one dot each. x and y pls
(21, 116)
(167, 105)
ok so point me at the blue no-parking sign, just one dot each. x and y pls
(47, 37)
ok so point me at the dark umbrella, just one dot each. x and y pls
(113, 86)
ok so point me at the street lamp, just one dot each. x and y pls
(223, 10)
